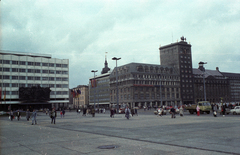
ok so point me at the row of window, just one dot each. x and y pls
(33, 63)
(21, 70)
(31, 85)
(33, 78)
(51, 93)
(147, 96)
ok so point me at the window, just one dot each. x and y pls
(58, 86)
(51, 85)
(6, 61)
(6, 77)
(44, 71)
(14, 84)
(64, 92)
(58, 72)
(51, 65)
(58, 79)
(22, 70)
(6, 69)
(22, 85)
(30, 63)
(45, 85)
(58, 65)
(64, 65)
(51, 71)
(22, 78)
(37, 78)
(64, 72)
(22, 62)
(64, 86)
(44, 78)
(37, 64)
(14, 77)
(30, 78)
(44, 64)
(30, 70)
(29, 85)
(51, 78)
(15, 62)
(14, 92)
(5, 84)
(14, 69)
(64, 79)
(37, 71)
(58, 92)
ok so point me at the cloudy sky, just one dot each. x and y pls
(83, 30)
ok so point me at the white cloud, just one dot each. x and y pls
(82, 31)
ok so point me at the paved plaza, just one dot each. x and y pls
(101, 135)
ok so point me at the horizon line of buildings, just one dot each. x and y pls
(173, 82)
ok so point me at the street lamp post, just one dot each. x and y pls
(114, 58)
(160, 88)
(203, 70)
(94, 83)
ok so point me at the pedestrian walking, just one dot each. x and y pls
(160, 111)
(53, 116)
(112, 113)
(93, 112)
(18, 115)
(173, 112)
(127, 112)
(181, 111)
(104, 110)
(84, 112)
(198, 110)
(215, 110)
(27, 114)
(132, 111)
(11, 115)
(34, 117)
(223, 110)
(63, 112)
(136, 112)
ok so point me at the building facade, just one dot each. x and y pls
(179, 56)
(29, 70)
(145, 85)
(216, 86)
(81, 100)
(234, 85)
(99, 93)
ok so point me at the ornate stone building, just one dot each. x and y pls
(139, 85)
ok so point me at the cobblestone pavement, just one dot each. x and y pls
(101, 135)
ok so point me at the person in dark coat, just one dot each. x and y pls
(27, 114)
(173, 112)
(223, 110)
(53, 116)
(18, 115)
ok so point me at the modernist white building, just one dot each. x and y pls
(29, 69)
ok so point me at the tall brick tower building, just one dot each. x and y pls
(179, 56)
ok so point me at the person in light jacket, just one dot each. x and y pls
(34, 117)
(181, 111)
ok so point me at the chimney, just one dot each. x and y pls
(217, 69)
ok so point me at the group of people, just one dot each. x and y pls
(52, 114)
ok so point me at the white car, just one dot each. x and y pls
(236, 110)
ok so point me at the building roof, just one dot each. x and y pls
(5, 52)
(143, 68)
(207, 73)
(231, 75)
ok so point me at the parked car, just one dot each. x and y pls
(236, 110)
